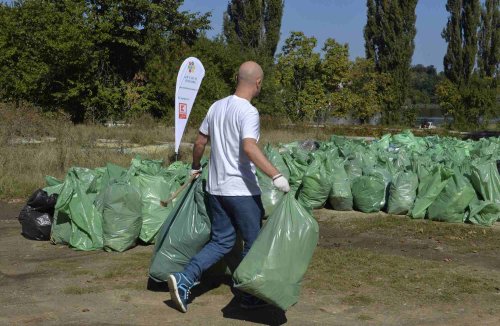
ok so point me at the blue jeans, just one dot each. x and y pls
(227, 214)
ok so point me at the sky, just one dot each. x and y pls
(344, 21)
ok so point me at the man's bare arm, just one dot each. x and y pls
(199, 149)
(258, 158)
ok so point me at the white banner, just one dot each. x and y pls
(189, 80)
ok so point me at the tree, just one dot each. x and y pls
(369, 89)
(335, 69)
(297, 69)
(254, 24)
(389, 41)
(93, 58)
(423, 81)
(470, 24)
(452, 34)
(472, 99)
(489, 39)
(461, 35)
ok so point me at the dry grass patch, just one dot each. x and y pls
(463, 238)
(367, 276)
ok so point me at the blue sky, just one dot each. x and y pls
(344, 21)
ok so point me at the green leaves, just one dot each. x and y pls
(85, 56)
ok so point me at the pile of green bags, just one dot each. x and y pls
(111, 208)
(439, 178)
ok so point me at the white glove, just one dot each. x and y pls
(280, 182)
(195, 172)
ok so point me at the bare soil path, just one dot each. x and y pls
(44, 284)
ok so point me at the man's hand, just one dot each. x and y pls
(195, 172)
(280, 182)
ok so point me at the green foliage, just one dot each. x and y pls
(314, 87)
(254, 24)
(297, 66)
(93, 59)
(471, 105)
(370, 89)
(389, 36)
(470, 23)
(470, 98)
(489, 39)
(423, 81)
(461, 35)
(452, 34)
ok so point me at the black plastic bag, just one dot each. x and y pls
(35, 225)
(41, 202)
(36, 217)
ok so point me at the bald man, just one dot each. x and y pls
(233, 128)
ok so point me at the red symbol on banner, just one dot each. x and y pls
(183, 110)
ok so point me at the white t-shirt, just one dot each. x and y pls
(228, 122)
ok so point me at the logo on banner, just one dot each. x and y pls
(191, 67)
(183, 110)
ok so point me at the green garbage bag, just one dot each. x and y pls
(483, 212)
(402, 193)
(183, 234)
(120, 205)
(297, 169)
(428, 189)
(54, 186)
(486, 179)
(340, 197)
(153, 189)
(451, 203)
(368, 193)
(107, 175)
(275, 265)
(77, 222)
(270, 194)
(316, 184)
(354, 169)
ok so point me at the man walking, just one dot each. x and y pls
(232, 125)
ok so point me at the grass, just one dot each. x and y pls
(77, 290)
(24, 166)
(463, 238)
(368, 276)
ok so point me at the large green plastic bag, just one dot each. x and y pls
(402, 193)
(452, 202)
(183, 234)
(54, 186)
(297, 169)
(316, 184)
(429, 188)
(368, 193)
(77, 221)
(153, 189)
(483, 212)
(277, 261)
(120, 205)
(340, 197)
(486, 179)
(270, 194)
(353, 169)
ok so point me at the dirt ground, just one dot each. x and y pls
(44, 284)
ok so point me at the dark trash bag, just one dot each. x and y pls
(41, 202)
(36, 217)
(35, 225)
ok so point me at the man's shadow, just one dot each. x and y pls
(267, 315)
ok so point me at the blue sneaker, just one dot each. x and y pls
(249, 302)
(180, 286)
